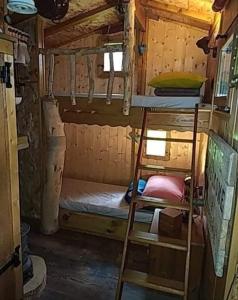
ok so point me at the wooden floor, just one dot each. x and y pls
(86, 267)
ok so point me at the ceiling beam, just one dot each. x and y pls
(104, 29)
(78, 19)
(155, 10)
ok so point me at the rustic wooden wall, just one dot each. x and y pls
(101, 154)
(29, 122)
(172, 47)
(104, 153)
(226, 126)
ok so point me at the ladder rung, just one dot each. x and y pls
(171, 140)
(161, 111)
(155, 239)
(164, 169)
(157, 202)
(153, 282)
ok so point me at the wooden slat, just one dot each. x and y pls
(73, 78)
(157, 240)
(111, 79)
(157, 202)
(144, 280)
(91, 80)
(22, 143)
(164, 169)
(82, 51)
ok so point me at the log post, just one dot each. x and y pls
(111, 79)
(128, 59)
(73, 78)
(56, 146)
(91, 82)
(51, 76)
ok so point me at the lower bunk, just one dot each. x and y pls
(99, 209)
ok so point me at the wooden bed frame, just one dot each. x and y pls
(99, 225)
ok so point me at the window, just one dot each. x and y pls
(156, 148)
(223, 76)
(103, 61)
(117, 61)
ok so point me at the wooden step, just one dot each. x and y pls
(154, 239)
(153, 282)
(22, 143)
(164, 169)
(158, 202)
(170, 140)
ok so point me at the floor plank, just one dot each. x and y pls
(86, 267)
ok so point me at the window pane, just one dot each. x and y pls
(224, 69)
(156, 148)
(117, 59)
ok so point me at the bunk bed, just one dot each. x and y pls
(97, 208)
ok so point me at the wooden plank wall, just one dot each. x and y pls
(104, 153)
(172, 47)
(98, 153)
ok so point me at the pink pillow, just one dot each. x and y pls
(165, 187)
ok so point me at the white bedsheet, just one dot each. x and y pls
(98, 198)
(165, 102)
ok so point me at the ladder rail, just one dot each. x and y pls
(190, 219)
(131, 215)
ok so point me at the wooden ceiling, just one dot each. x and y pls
(86, 17)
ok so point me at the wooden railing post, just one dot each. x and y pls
(111, 79)
(91, 83)
(128, 59)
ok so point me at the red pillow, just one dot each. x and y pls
(165, 187)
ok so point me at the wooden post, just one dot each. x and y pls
(111, 79)
(56, 146)
(51, 75)
(128, 59)
(90, 80)
(73, 78)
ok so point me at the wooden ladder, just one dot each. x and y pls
(143, 279)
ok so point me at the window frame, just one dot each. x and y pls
(166, 157)
(223, 99)
(116, 39)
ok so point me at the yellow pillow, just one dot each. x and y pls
(178, 80)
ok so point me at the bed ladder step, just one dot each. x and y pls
(170, 140)
(153, 282)
(154, 239)
(161, 203)
(164, 169)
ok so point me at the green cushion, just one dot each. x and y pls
(178, 80)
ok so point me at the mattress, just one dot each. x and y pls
(165, 102)
(98, 198)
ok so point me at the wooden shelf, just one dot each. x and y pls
(157, 202)
(154, 282)
(22, 143)
(155, 239)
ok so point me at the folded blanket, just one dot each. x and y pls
(175, 92)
